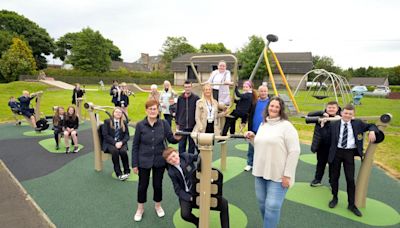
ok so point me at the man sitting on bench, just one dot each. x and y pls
(178, 165)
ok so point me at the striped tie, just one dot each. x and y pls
(344, 137)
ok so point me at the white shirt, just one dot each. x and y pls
(351, 143)
(218, 77)
(183, 176)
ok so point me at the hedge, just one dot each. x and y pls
(84, 77)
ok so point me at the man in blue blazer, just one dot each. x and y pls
(347, 137)
(180, 170)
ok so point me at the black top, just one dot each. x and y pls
(246, 101)
(321, 141)
(108, 133)
(186, 111)
(24, 102)
(359, 127)
(70, 123)
(124, 100)
(77, 94)
(186, 163)
(148, 143)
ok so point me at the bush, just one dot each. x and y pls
(395, 88)
(86, 77)
(370, 88)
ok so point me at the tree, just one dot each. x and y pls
(65, 43)
(89, 51)
(326, 63)
(248, 56)
(37, 37)
(115, 52)
(174, 47)
(17, 60)
(213, 48)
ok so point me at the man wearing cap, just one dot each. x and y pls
(346, 142)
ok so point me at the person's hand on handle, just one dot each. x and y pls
(372, 136)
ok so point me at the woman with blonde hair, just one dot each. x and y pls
(125, 93)
(207, 113)
(115, 140)
(165, 96)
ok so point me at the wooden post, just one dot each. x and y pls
(37, 107)
(365, 170)
(224, 149)
(79, 108)
(98, 163)
(205, 142)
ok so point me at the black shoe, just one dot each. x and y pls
(333, 202)
(315, 183)
(355, 210)
(57, 147)
(67, 150)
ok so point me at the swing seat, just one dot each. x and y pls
(320, 97)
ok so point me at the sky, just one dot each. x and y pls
(355, 33)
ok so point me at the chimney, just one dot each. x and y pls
(145, 59)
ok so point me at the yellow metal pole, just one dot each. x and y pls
(285, 81)
(37, 107)
(271, 76)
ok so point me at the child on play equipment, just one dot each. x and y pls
(58, 124)
(180, 170)
(25, 101)
(243, 107)
(71, 125)
(14, 105)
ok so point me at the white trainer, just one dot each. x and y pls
(248, 168)
(160, 212)
(138, 216)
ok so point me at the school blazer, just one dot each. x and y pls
(186, 160)
(359, 127)
(109, 133)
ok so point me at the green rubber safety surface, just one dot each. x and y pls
(242, 146)
(309, 158)
(234, 167)
(50, 146)
(376, 213)
(38, 133)
(237, 218)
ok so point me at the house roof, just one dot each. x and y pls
(152, 59)
(291, 62)
(369, 81)
(115, 65)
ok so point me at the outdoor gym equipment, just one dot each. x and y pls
(37, 112)
(205, 142)
(327, 84)
(264, 55)
(99, 155)
(366, 165)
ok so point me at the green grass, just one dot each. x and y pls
(387, 153)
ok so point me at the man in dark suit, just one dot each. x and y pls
(180, 170)
(115, 138)
(346, 142)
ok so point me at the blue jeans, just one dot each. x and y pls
(270, 196)
(250, 155)
(182, 143)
